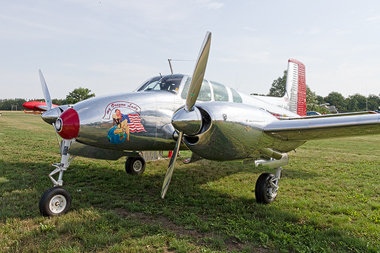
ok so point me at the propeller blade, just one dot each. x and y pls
(45, 90)
(198, 74)
(169, 172)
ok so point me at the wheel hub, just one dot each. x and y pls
(57, 204)
(137, 166)
(272, 188)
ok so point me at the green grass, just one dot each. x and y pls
(329, 200)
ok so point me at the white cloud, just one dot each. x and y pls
(251, 29)
(373, 19)
(215, 5)
(315, 30)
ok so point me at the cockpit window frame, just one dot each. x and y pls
(205, 94)
(222, 92)
(170, 83)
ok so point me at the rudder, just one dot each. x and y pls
(296, 87)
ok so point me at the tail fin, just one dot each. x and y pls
(296, 87)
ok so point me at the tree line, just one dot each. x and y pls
(73, 97)
(352, 103)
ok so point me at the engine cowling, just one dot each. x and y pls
(227, 131)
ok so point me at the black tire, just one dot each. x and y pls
(135, 165)
(55, 201)
(264, 192)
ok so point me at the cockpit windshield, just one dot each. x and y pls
(167, 83)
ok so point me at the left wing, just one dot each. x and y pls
(324, 127)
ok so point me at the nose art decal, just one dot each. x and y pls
(124, 122)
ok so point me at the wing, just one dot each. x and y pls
(324, 127)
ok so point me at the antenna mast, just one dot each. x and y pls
(170, 64)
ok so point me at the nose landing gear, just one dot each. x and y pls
(57, 200)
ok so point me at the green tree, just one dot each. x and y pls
(337, 99)
(359, 100)
(279, 86)
(79, 94)
(57, 101)
(12, 104)
(311, 99)
(373, 102)
(320, 100)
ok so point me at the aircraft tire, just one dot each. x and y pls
(55, 201)
(263, 190)
(135, 165)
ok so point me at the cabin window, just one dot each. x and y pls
(236, 97)
(204, 93)
(220, 92)
(167, 83)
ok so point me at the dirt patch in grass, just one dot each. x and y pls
(231, 243)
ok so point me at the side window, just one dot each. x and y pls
(220, 92)
(149, 85)
(236, 97)
(204, 93)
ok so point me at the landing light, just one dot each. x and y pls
(58, 125)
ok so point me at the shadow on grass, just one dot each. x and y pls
(199, 200)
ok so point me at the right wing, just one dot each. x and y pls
(324, 127)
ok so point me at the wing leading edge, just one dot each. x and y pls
(304, 129)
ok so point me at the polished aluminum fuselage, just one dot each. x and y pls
(155, 110)
(235, 132)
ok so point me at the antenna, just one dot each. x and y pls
(170, 64)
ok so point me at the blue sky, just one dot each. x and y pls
(112, 46)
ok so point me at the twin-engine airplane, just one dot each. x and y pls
(212, 120)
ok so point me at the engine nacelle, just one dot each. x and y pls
(229, 131)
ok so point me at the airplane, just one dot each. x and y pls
(178, 112)
(36, 107)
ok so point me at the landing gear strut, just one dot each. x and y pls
(57, 200)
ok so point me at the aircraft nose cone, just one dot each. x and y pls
(67, 125)
(188, 122)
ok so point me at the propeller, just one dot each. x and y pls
(189, 113)
(51, 115)
(46, 92)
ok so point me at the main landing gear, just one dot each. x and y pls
(267, 187)
(135, 165)
(267, 184)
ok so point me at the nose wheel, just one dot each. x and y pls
(55, 201)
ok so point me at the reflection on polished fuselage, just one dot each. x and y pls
(232, 123)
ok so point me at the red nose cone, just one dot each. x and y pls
(67, 124)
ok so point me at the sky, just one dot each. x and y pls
(113, 46)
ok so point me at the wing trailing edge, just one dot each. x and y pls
(304, 129)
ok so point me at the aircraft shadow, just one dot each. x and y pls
(202, 196)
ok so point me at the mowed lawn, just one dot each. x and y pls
(329, 200)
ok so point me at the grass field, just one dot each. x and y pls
(329, 200)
